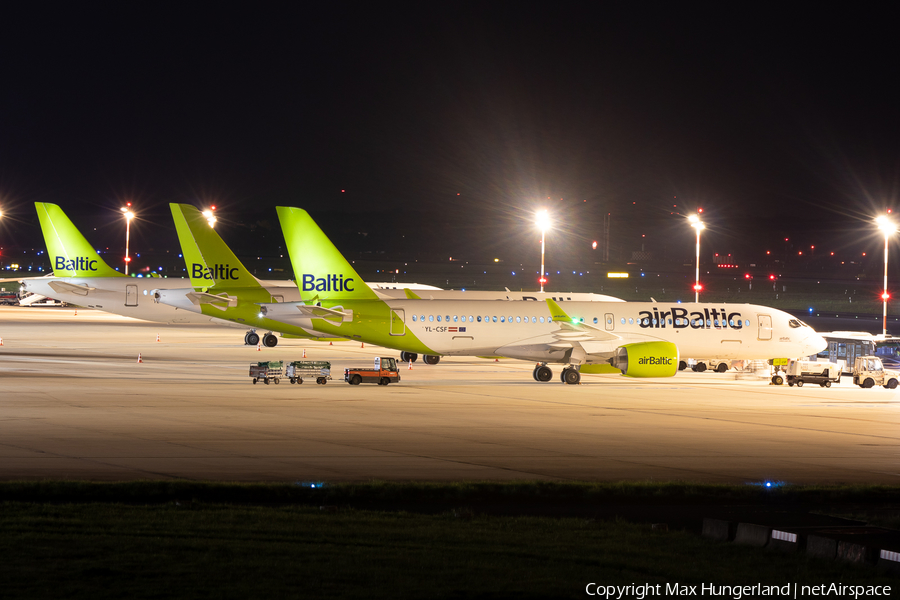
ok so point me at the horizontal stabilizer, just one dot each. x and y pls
(64, 287)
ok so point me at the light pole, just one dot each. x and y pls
(543, 223)
(887, 227)
(697, 224)
(126, 210)
(210, 216)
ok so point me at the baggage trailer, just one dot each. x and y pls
(267, 370)
(799, 372)
(385, 372)
(299, 369)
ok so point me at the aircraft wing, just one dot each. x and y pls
(580, 337)
(307, 311)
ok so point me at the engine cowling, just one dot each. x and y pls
(646, 359)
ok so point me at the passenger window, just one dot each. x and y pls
(430, 318)
(455, 318)
(669, 321)
(518, 319)
(479, 318)
(503, 319)
(439, 318)
(708, 323)
(595, 320)
(631, 320)
(495, 319)
(414, 318)
(542, 319)
(623, 320)
(472, 319)
(422, 318)
(509, 320)
(654, 321)
(747, 323)
(447, 318)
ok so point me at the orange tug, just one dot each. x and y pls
(385, 372)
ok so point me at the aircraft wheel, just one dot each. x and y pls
(251, 338)
(799, 383)
(431, 359)
(246, 341)
(270, 341)
(571, 376)
(868, 383)
(412, 356)
(721, 368)
(543, 373)
(355, 380)
(534, 373)
(404, 357)
(682, 365)
(778, 380)
(892, 384)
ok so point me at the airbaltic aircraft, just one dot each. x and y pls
(83, 278)
(639, 339)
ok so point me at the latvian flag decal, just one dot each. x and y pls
(456, 329)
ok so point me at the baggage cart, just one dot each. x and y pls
(267, 370)
(320, 370)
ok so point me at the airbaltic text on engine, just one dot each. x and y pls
(698, 320)
(653, 360)
(81, 263)
(219, 272)
(329, 283)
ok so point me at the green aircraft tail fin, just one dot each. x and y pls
(70, 253)
(319, 267)
(210, 262)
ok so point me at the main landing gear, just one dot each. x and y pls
(269, 340)
(408, 357)
(569, 375)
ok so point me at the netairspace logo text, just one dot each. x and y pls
(737, 592)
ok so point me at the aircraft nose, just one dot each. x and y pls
(816, 343)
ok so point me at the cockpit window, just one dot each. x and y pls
(795, 323)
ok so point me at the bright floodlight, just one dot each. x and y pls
(210, 217)
(886, 225)
(128, 214)
(543, 220)
(696, 222)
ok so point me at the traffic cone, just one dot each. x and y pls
(304, 353)
(331, 343)
(157, 337)
(1, 341)
(496, 360)
(363, 345)
(409, 368)
(259, 346)
(76, 312)
(140, 360)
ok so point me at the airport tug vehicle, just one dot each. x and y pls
(318, 369)
(266, 370)
(799, 372)
(385, 372)
(868, 371)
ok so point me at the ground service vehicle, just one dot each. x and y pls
(299, 369)
(385, 372)
(868, 371)
(799, 372)
(267, 370)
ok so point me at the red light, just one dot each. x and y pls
(832, 253)
(785, 239)
(767, 252)
(342, 191)
(800, 253)
(128, 204)
(885, 296)
(698, 287)
(699, 210)
(772, 277)
(127, 259)
(594, 245)
(864, 253)
(213, 207)
(542, 280)
(747, 276)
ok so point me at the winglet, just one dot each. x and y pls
(319, 267)
(209, 260)
(557, 313)
(411, 294)
(70, 253)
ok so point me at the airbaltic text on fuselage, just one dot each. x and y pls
(81, 263)
(710, 318)
(329, 283)
(217, 272)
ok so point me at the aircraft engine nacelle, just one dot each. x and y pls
(646, 359)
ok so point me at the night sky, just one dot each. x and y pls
(440, 130)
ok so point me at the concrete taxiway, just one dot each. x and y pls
(76, 404)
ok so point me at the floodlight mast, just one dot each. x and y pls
(543, 223)
(887, 227)
(697, 224)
